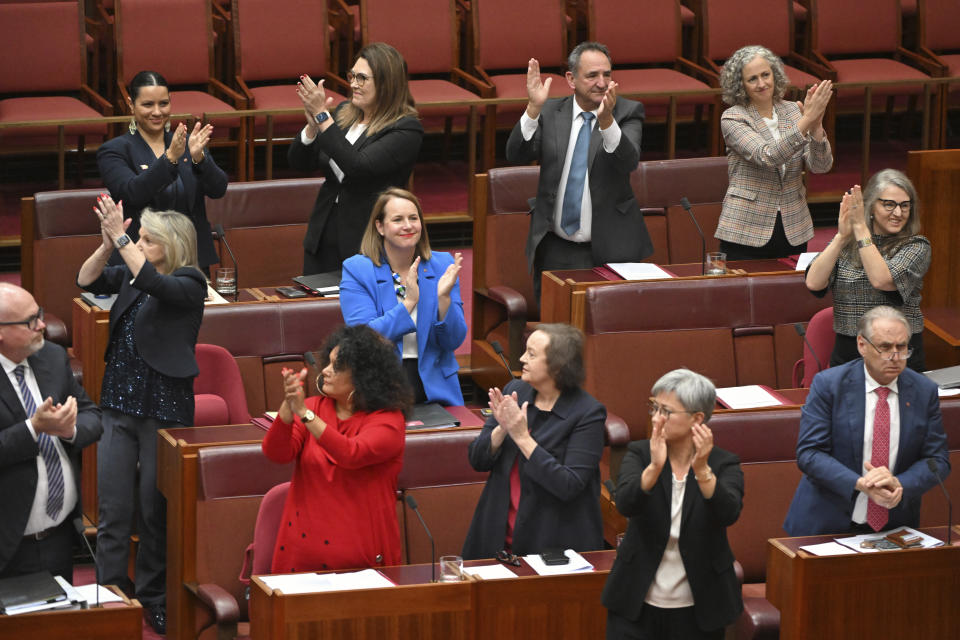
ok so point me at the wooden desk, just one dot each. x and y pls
(112, 621)
(941, 337)
(897, 594)
(558, 287)
(530, 606)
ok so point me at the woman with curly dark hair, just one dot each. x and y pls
(542, 447)
(348, 447)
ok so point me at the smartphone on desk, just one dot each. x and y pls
(291, 292)
(553, 557)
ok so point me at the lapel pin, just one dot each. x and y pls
(143, 167)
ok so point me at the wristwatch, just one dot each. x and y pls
(307, 416)
(863, 244)
(122, 241)
(322, 117)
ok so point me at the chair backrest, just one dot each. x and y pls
(268, 524)
(855, 26)
(821, 337)
(725, 30)
(174, 39)
(500, 27)
(279, 40)
(938, 24)
(220, 376)
(653, 38)
(42, 47)
(429, 42)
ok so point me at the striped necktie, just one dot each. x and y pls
(47, 449)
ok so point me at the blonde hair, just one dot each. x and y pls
(176, 233)
(393, 98)
(372, 243)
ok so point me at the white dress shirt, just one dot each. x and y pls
(860, 506)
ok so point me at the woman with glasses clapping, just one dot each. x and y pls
(878, 257)
(364, 146)
(674, 575)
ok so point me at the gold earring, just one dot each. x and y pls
(317, 385)
(166, 126)
(132, 127)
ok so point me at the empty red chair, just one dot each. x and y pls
(218, 389)
(821, 337)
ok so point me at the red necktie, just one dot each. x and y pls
(880, 456)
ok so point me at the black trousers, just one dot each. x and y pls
(554, 252)
(777, 247)
(54, 554)
(328, 256)
(659, 624)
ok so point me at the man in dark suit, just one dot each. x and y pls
(868, 430)
(45, 419)
(573, 227)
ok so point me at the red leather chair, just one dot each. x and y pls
(177, 41)
(43, 77)
(940, 41)
(258, 556)
(821, 337)
(218, 390)
(647, 57)
(276, 42)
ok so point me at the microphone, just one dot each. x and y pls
(932, 465)
(803, 334)
(703, 241)
(499, 351)
(78, 526)
(433, 545)
(236, 269)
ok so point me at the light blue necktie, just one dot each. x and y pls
(573, 193)
(47, 449)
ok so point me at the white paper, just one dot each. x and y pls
(926, 542)
(748, 397)
(290, 583)
(577, 564)
(828, 549)
(945, 393)
(490, 571)
(805, 259)
(638, 271)
(89, 593)
(213, 297)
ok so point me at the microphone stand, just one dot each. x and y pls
(433, 545)
(703, 241)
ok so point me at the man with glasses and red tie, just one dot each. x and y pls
(869, 430)
(46, 418)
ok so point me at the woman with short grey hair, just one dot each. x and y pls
(674, 576)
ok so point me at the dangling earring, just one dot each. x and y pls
(166, 126)
(317, 384)
(132, 127)
(350, 399)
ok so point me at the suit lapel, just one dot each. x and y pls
(596, 139)
(853, 397)
(11, 398)
(426, 307)
(44, 375)
(385, 289)
(906, 397)
(562, 130)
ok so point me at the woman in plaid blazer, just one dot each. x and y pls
(769, 141)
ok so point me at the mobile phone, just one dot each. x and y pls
(291, 292)
(553, 557)
(486, 413)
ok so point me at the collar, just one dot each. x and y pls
(872, 384)
(9, 365)
(577, 111)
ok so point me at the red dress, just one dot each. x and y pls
(341, 509)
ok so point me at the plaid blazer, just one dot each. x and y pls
(766, 175)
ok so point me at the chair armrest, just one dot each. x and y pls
(798, 373)
(511, 300)
(694, 69)
(926, 65)
(56, 330)
(616, 431)
(98, 101)
(473, 81)
(239, 102)
(220, 602)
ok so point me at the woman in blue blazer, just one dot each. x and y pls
(154, 166)
(410, 294)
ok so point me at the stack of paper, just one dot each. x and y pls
(290, 583)
(577, 564)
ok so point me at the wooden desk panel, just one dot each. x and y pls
(113, 621)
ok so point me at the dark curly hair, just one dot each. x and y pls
(379, 382)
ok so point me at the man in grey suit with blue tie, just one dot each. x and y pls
(46, 418)
(590, 138)
(869, 431)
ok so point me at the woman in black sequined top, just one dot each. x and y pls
(147, 384)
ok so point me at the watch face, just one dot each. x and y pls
(322, 117)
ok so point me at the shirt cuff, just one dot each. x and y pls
(304, 138)
(528, 126)
(33, 432)
(611, 137)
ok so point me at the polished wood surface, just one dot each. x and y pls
(112, 621)
(936, 176)
(530, 606)
(941, 336)
(897, 594)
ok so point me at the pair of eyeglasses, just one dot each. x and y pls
(359, 78)
(33, 322)
(890, 205)
(656, 407)
(891, 353)
(508, 558)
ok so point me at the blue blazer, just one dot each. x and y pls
(132, 173)
(830, 449)
(367, 296)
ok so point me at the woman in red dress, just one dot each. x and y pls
(348, 447)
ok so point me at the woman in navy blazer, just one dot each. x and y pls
(155, 167)
(410, 294)
(674, 576)
(147, 384)
(542, 448)
(369, 143)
